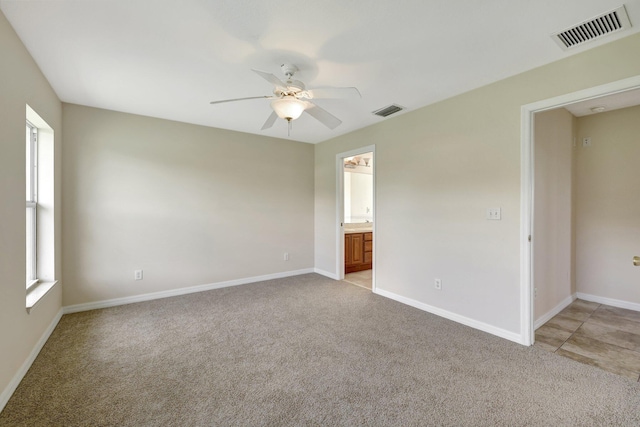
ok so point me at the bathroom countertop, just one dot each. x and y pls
(358, 230)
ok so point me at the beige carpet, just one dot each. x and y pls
(302, 351)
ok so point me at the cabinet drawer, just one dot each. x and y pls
(368, 236)
(368, 246)
(368, 257)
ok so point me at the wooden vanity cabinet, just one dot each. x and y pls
(358, 252)
(368, 249)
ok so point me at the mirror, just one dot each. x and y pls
(358, 189)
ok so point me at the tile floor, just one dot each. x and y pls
(360, 278)
(595, 334)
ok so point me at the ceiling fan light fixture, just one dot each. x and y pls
(288, 107)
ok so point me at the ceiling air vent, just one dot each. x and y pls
(387, 111)
(595, 28)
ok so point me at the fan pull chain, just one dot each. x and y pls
(289, 127)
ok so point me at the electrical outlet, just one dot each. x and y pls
(438, 284)
(137, 275)
(494, 213)
(286, 256)
(586, 142)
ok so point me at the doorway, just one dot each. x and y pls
(528, 208)
(585, 232)
(356, 236)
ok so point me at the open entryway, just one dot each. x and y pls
(355, 173)
(581, 226)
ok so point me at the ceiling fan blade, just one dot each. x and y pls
(334, 92)
(270, 78)
(240, 99)
(322, 115)
(270, 121)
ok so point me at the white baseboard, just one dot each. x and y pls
(609, 301)
(182, 291)
(15, 381)
(502, 333)
(555, 310)
(326, 274)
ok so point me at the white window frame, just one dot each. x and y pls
(31, 139)
(40, 265)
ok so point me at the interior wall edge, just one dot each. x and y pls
(326, 273)
(557, 309)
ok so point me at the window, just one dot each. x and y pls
(32, 204)
(40, 203)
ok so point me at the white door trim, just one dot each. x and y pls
(527, 169)
(340, 210)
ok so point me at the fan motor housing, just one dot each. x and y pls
(295, 85)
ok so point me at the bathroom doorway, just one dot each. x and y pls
(356, 217)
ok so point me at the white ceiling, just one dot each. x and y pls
(629, 98)
(168, 58)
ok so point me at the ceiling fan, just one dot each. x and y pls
(291, 98)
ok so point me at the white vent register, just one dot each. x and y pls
(602, 25)
(388, 110)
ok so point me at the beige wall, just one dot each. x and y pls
(552, 235)
(22, 83)
(193, 205)
(608, 205)
(189, 205)
(438, 170)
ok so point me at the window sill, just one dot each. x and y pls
(37, 292)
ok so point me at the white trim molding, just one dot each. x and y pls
(484, 327)
(555, 310)
(527, 169)
(181, 291)
(37, 292)
(609, 301)
(326, 274)
(526, 226)
(15, 381)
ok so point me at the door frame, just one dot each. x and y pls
(340, 210)
(527, 170)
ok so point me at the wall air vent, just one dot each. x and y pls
(387, 111)
(595, 28)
